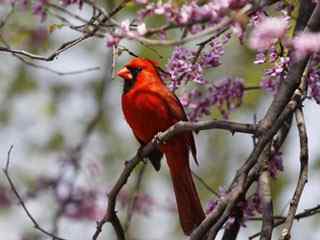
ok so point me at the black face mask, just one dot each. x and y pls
(128, 84)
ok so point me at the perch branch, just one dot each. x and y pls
(110, 215)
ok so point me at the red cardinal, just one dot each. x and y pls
(149, 108)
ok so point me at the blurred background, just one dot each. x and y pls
(69, 135)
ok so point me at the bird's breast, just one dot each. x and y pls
(146, 112)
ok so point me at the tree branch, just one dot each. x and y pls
(279, 220)
(241, 182)
(265, 195)
(67, 45)
(303, 176)
(179, 127)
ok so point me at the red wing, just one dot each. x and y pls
(177, 110)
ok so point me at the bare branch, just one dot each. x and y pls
(303, 176)
(231, 232)
(67, 45)
(133, 201)
(279, 220)
(235, 195)
(36, 225)
(265, 196)
(233, 127)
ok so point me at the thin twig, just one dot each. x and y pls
(45, 68)
(279, 220)
(133, 201)
(265, 195)
(203, 182)
(7, 17)
(36, 225)
(67, 45)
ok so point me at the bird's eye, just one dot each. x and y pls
(134, 71)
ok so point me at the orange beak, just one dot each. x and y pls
(125, 73)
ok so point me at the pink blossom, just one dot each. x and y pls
(305, 44)
(273, 76)
(162, 9)
(141, 1)
(268, 32)
(238, 30)
(39, 9)
(125, 25)
(112, 40)
(313, 78)
(142, 29)
(260, 58)
(226, 95)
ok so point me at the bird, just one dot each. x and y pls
(149, 108)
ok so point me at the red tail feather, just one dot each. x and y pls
(189, 206)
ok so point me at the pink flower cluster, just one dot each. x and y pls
(39, 9)
(39, 6)
(306, 43)
(125, 31)
(267, 32)
(302, 45)
(226, 95)
(190, 12)
(274, 75)
(182, 68)
(313, 78)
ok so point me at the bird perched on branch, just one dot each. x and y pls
(149, 108)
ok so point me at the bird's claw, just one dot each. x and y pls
(157, 139)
